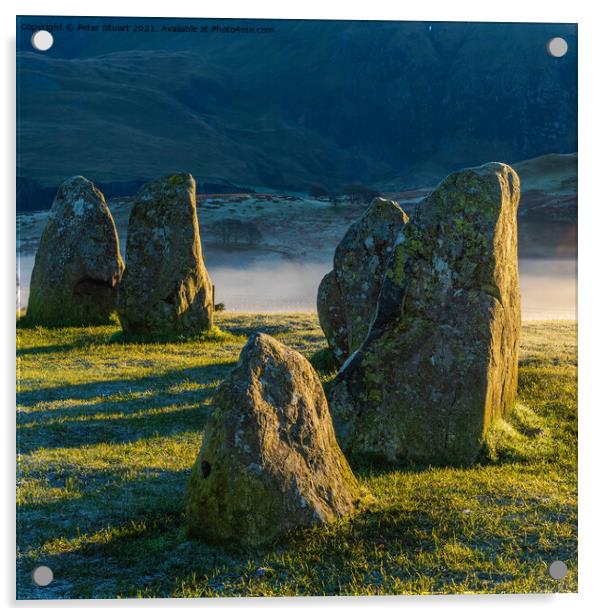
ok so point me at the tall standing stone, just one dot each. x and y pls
(270, 461)
(166, 288)
(347, 295)
(441, 359)
(77, 266)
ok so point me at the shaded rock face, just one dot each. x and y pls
(441, 358)
(166, 288)
(270, 461)
(78, 265)
(331, 314)
(348, 294)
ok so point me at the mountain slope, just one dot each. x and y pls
(328, 102)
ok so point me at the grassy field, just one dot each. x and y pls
(107, 432)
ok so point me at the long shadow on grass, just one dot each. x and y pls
(156, 544)
(93, 389)
(138, 530)
(136, 527)
(111, 520)
(102, 498)
(122, 429)
(56, 348)
(82, 339)
(74, 409)
(126, 419)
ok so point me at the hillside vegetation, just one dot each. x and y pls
(314, 101)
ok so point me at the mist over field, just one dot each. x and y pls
(270, 284)
(281, 273)
(268, 252)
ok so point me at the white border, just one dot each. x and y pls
(590, 199)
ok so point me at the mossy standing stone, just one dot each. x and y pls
(270, 462)
(77, 265)
(166, 289)
(348, 294)
(441, 359)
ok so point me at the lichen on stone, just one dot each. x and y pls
(274, 461)
(440, 360)
(348, 294)
(166, 289)
(78, 265)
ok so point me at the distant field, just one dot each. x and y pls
(280, 268)
(108, 431)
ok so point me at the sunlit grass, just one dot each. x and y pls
(108, 430)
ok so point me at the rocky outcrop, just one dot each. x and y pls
(78, 265)
(347, 295)
(441, 358)
(166, 289)
(270, 461)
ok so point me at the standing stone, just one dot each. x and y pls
(270, 461)
(166, 288)
(77, 265)
(441, 359)
(331, 314)
(348, 294)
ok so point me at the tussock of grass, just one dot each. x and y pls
(520, 437)
(107, 434)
